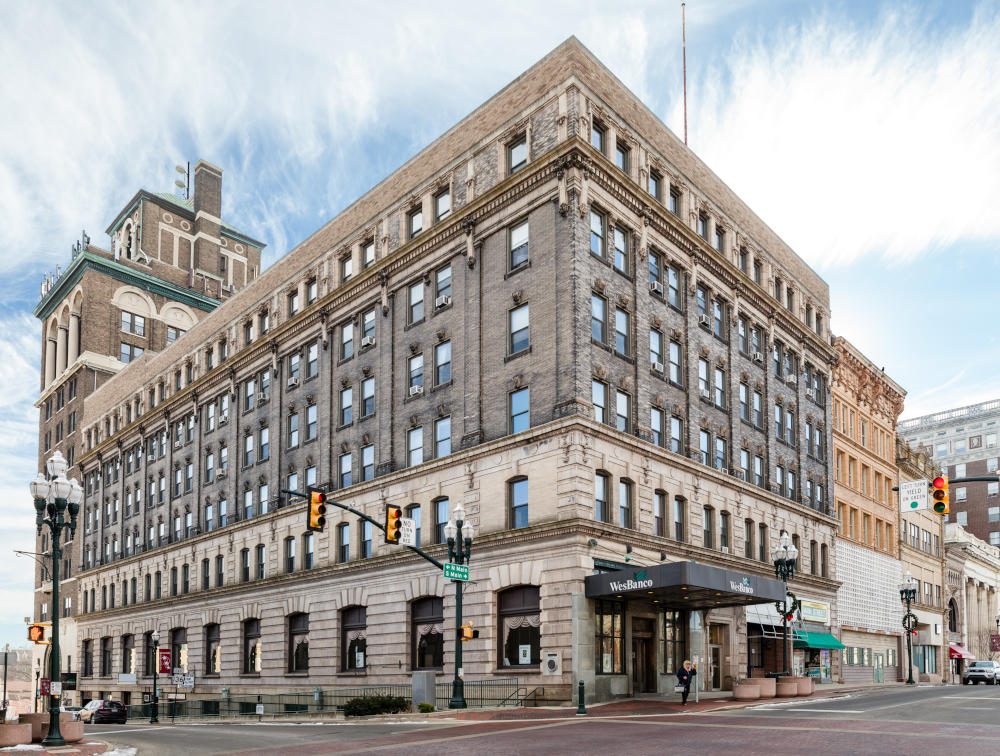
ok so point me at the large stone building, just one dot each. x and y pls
(964, 441)
(171, 261)
(922, 554)
(866, 405)
(973, 608)
(556, 316)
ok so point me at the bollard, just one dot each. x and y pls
(581, 709)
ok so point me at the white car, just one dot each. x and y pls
(74, 710)
(981, 671)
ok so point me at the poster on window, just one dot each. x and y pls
(524, 654)
(359, 659)
(606, 664)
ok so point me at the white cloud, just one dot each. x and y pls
(853, 141)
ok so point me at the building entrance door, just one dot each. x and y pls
(643, 666)
(879, 668)
(715, 666)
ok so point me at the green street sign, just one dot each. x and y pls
(454, 571)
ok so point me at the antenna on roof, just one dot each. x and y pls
(184, 185)
(684, 60)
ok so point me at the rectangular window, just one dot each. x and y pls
(517, 154)
(598, 318)
(597, 136)
(415, 370)
(602, 504)
(656, 185)
(622, 411)
(621, 331)
(675, 363)
(442, 363)
(442, 437)
(621, 260)
(442, 205)
(708, 527)
(311, 421)
(367, 462)
(347, 340)
(622, 156)
(518, 245)
(720, 388)
(656, 425)
(344, 470)
(597, 233)
(346, 405)
(599, 398)
(367, 397)
(676, 442)
(520, 406)
(609, 640)
(346, 268)
(416, 302)
(415, 222)
(415, 446)
(673, 287)
(368, 254)
(655, 349)
(518, 326)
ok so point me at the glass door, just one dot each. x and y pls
(879, 668)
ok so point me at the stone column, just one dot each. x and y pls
(61, 347)
(74, 337)
(50, 360)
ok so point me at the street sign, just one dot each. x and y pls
(407, 531)
(454, 571)
(55, 688)
(912, 495)
(43, 687)
(164, 661)
(260, 709)
(994, 643)
(182, 680)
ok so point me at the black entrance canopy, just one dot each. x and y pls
(685, 585)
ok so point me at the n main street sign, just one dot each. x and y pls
(454, 571)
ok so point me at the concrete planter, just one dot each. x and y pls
(767, 686)
(786, 689)
(806, 686)
(746, 691)
(14, 734)
(72, 731)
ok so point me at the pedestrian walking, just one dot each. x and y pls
(685, 676)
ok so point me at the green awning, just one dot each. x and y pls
(817, 640)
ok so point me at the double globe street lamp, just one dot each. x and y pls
(154, 709)
(459, 551)
(54, 497)
(785, 556)
(908, 594)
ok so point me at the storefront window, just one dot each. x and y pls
(520, 626)
(610, 617)
(675, 635)
(427, 615)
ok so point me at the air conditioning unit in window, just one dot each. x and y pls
(656, 287)
(792, 378)
(724, 470)
(704, 320)
(811, 393)
(178, 444)
(740, 474)
(706, 393)
(658, 367)
(551, 663)
(293, 381)
(367, 341)
(416, 390)
(758, 357)
(223, 418)
(221, 475)
(725, 549)
(262, 398)
(443, 301)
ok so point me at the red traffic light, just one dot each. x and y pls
(938, 483)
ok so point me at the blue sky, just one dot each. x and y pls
(866, 134)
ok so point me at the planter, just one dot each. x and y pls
(746, 691)
(71, 730)
(767, 686)
(14, 734)
(786, 689)
(805, 686)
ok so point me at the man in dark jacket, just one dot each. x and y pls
(685, 676)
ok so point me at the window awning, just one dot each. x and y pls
(818, 640)
(956, 651)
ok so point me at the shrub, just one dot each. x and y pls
(425, 708)
(367, 705)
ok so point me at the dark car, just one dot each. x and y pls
(103, 710)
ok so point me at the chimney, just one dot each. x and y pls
(207, 214)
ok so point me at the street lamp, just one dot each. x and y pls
(38, 674)
(54, 497)
(785, 556)
(459, 551)
(908, 594)
(154, 712)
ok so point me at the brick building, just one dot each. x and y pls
(964, 441)
(171, 261)
(866, 405)
(668, 406)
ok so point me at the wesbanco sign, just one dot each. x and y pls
(685, 584)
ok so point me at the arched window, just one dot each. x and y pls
(128, 654)
(517, 502)
(952, 616)
(298, 642)
(353, 628)
(251, 647)
(427, 621)
(213, 649)
(149, 654)
(519, 631)
(178, 648)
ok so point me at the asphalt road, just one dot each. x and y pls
(917, 721)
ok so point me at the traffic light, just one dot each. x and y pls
(939, 494)
(468, 633)
(392, 515)
(36, 633)
(317, 510)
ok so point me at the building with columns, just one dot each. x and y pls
(973, 610)
(170, 261)
(627, 452)
(866, 405)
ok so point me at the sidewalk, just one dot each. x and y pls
(84, 748)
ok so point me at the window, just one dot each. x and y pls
(367, 326)
(293, 430)
(105, 657)
(413, 512)
(261, 561)
(347, 340)
(426, 626)
(598, 318)
(703, 387)
(597, 233)
(307, 551)
(353, 624)
(206, 576)
(708, 527)
(415, 446)
(675, 640)
(367, 397)
(347, 267)
(519, 631)
(762, 543)
(656, 185)
(748, 533)
(368, 254)
(129, 352)
(346, 405)
(517, 154)
(442, 285)
(343, 542)
(623, 412)
(597, 136)
(625, 504)
(415, 222)
(344, 467)
(622, 156)
(441, 516)
(609, 637)
(720, 388)
(442, 437)
(133, 324)
(442, 205)
(719, 240)
(415, 299)
(675, 363)
(293, 303)
(673, 287)
(442, 363)
(179, 649)
(602, 504)
(251, 647)
(518, 328)
(416, 370)
(724, 531)
(518, 245)
(621, 331)
(520, 410)
(367, 462)
(213, 649)
(703, 225)
(366, 540)
(675, 200)
(656, 425)
(244, 565)
(621, 259)
(676, 441)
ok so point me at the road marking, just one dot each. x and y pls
(120, 732)
(975, 698)
(831, 711)
(977, 708)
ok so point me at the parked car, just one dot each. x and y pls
(74, 710)
(103, 710)
(982, 671)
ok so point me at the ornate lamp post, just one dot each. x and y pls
(459, 551)
(54, 496)
(785, 556)
(908, 594)
(154, 711)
